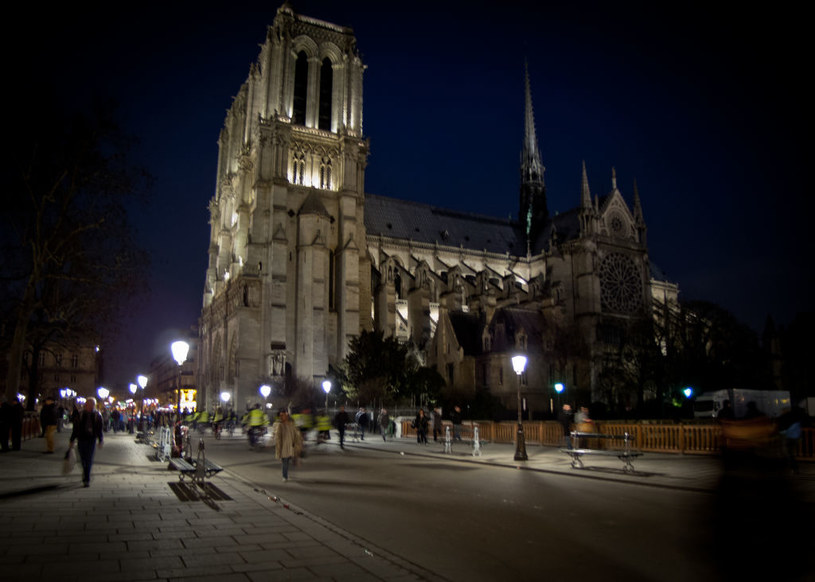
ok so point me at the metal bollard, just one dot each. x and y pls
(448, 440)
(476, 442)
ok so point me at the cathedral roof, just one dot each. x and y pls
(566, 226)
(424, 223)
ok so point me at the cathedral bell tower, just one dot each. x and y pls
(285, 274)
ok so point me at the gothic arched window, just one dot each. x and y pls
(300, 89)
(299, 166)
(326, 86)
(325, 173)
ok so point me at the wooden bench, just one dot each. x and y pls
(625, 454)
(198, 470)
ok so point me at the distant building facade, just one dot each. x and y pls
(301, 259)
(70, 364)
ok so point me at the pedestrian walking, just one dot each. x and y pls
(49, 418)
(455, 417)
(288, 442)
(87, 431)
(384, 423)
(341, 420)
(565, 418)
(420, 423)
(437, 423)
(791, 425)
(362, 422)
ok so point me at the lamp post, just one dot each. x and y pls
(142, 381)
(559, 388)
(103, 394)
(131, 421)
(326, 389)
(265, 390)
(179, 349)
(519, 364)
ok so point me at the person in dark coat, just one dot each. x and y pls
(5, 424)
(455, 418)
(340, 421)
(565, 417)
(421, 423)
(87, 431)
(362, 422)
(16, 423)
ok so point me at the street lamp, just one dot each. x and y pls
(559, 388)
(265, 390)
(142, 380)
(326, 389)
(103, 393)
(519, 364)
(179, 349)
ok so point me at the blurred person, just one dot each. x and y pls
(791, 425)
(16, 424)
(5, 423)
(420, 423)
(256, 422)
(362, 422)
(341, 420)
(455, 418)
(565, 418)
(87, 431)
(437, 423)
(384, 423)
(726, 411)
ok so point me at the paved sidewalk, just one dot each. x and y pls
(130, 525)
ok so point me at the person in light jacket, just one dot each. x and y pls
(288, 442)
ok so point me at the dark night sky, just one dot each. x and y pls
(704, 108)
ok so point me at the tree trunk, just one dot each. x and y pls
(17, 347)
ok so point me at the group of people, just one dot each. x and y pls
(422, 424)
(11, 424)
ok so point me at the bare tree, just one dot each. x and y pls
(69, 256)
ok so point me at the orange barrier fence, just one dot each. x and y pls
(684, 439)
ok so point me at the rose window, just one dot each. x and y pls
(620, 284)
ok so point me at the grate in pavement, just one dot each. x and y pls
(191, 492)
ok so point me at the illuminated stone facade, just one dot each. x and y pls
(301, 259)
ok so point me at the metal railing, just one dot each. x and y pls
(683, 439)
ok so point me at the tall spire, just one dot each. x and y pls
(587, 213)
(531, 164)
(533, 212)
(639, 219)
(585, 195)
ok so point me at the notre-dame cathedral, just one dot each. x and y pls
(302, 258)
